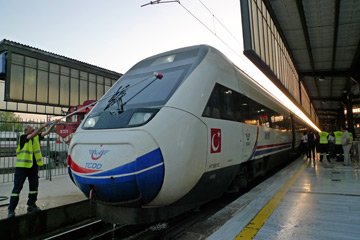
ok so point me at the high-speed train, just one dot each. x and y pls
(177, 130)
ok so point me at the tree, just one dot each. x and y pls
(10, 122)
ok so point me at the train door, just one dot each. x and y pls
(248, 141)
(224, 144)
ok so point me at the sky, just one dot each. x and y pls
(116, 34)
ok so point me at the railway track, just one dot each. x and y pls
(175, 228)
(172, 229)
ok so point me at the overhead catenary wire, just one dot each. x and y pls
(158, 2)
(210, 30)
(290, 107)
(220, 22)
(204, 24)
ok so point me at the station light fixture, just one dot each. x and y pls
(269, 87)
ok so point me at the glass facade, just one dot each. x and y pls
(262, 39)
(28, 108)
(305, 99)
(36, 81)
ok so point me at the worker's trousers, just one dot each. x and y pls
(346, 149)
(20, 176)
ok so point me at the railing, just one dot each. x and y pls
(54, 154)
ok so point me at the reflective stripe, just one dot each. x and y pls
(24, 160)
(24, 151)
(33, 192)
(15, 194)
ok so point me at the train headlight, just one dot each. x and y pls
(139, 118)
(90, 122)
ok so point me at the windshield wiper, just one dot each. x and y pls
(157, 76)
(121, 92)
(117, 98)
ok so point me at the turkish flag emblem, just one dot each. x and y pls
(215, 140)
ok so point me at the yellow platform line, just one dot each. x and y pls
(254, 226)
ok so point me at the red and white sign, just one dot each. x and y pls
(215, 140)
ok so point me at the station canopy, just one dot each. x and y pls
(36, 81)
(310, 49)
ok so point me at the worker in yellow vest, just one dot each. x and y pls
(28, 158)
(323, 144)
(338, 146)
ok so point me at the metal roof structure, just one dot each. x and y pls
(323, 40)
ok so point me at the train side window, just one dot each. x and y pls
(213, 105)
(251, 111)
(225, 103)
(281, 122)
(277, 121)
(221, 103)
(266, 116)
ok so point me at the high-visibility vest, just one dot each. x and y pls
(323, 137)
(338, 136)
(351, 137)
(24, 156)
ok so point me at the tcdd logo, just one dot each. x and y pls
(98, 153)
(93, 165)
(215, 140)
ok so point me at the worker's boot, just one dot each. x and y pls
(33, 208)
(11, 214)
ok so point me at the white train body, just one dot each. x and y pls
(180, 150)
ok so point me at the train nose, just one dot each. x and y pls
(117, 173)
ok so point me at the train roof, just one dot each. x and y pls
(194, 55)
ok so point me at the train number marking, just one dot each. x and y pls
(215, 140)
(247, 139)
(214, 165)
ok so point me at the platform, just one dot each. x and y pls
(302, 201)
(60, 191)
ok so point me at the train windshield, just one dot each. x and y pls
(135, 98)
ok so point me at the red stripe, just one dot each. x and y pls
(77, 168)
(272, 145)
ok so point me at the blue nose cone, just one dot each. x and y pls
(133, 184)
